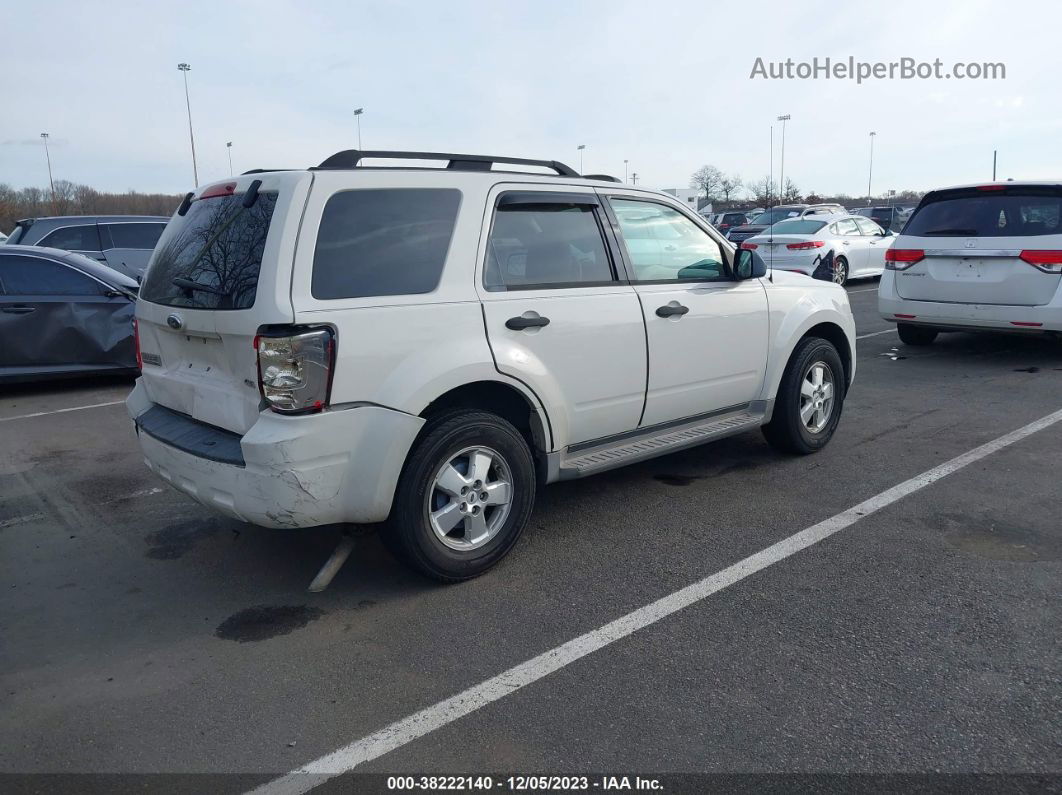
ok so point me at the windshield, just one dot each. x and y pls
(1016, 212)
(213, 260)
(775, 214)
(796, 226)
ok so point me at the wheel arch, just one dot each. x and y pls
(501, 398)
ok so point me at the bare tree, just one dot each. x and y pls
(708, 180)
(790, 192)
(72, 198)
(729, 185)
(762, 191)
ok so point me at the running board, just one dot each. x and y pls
(654, 442)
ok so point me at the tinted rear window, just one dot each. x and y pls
(83, 237)
(214, 260)
(383, 242)
(1015, 212)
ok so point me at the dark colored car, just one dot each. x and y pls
(63, 314)
(124, 242)
(731, 220)
(892, 218)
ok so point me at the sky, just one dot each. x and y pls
(665, 86)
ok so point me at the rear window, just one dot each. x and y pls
(73, 238)
(214, 260)
(775, 214)
(390, 241)
(797, 226)
(1010, 213)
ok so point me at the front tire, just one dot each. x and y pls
(810, 399)
(916, 335)
(464, 497)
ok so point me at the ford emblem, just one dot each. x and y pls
(174, 322)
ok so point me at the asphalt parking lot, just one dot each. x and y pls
(141, 633)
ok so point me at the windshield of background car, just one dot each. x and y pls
(777, 214)
(976, 213)
(796, 226)
(214, 259)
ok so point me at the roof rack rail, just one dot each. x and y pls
(602, 177)
(350, 158)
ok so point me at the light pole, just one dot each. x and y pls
(580, 148)
(624, 171)
(357, 116)
(781, 177)
(48, 157)
(634, 178)
(185, 68)
(870, 172)
(228, 148)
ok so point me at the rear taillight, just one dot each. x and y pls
(1048, 261)
(295, 369)
(136, 340)
(749, 246)
(221, 189)
(807, 244)
(991, 187)
(898, 259)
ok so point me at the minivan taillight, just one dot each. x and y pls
(295, 369)
(899, 259)
(1048, 261)
(136, 340)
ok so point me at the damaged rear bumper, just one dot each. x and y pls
(285, 472)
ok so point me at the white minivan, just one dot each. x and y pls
(977, 257)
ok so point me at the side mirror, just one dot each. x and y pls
(887, 233)
(748, 265)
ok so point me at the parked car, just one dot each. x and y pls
(891, 218)
(357, 344)
(123, 242)
(63, 314)
(727, 221)
(782, 211)
(836, 248)
(977, 257)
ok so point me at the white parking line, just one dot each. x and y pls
(875, 334)
(60, 411)
(438, 715)
(867, 290)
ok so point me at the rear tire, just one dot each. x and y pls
(805, 412)
(464, 496)
(916, 335)
(840, 271)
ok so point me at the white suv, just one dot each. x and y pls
(977, 257)
(427, 345)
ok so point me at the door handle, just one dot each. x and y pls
(19, 309)
(520, 322)
(669, 311)
(846, 242)
(669, 248)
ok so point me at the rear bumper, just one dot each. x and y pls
(333, 467)
(996, 317)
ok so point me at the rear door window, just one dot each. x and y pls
(868, 227)
(214, 259)
(83, 237)
(37, 276)
(847, 227)
(1004, 213)
(552, 244)
(390, 241)
(140, 235)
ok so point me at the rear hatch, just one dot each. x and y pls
(972, 242)
(219, 273)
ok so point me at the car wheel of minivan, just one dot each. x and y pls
(810, 398)
(840, 271)
(464, 496)
(916, 335)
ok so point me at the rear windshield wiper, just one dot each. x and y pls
(190, 285)
(971, 232)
